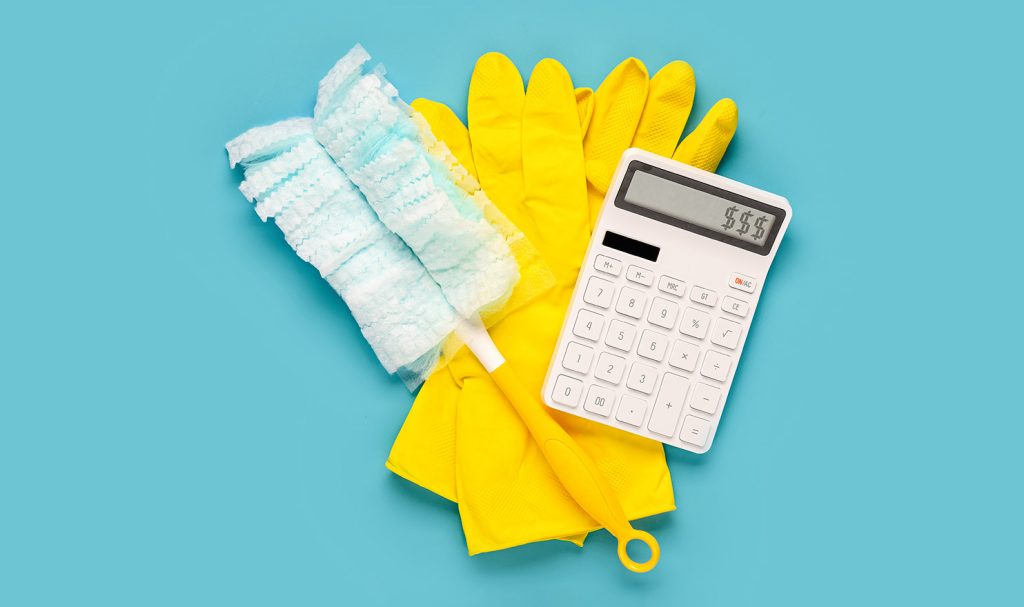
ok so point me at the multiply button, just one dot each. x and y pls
(743, 283)
(603, 263)
(640, 275)
(684, 355)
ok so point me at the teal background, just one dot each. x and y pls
(188, 415)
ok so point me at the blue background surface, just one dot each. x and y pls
(188, 414)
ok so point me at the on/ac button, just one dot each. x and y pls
(743, 283)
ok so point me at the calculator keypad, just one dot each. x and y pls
(663, 313)
(599, 292)
(620, 335)
(631, 302)
(650, 351)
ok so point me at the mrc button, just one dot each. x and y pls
(743, 283)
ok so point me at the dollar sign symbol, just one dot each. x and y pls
(729, 221)
(759, 227)
(744, 219)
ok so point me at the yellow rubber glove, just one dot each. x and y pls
(462, 439)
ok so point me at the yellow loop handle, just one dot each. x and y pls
(646, 538)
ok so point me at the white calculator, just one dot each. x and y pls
(664, 300)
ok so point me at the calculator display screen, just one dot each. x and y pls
(699, 207)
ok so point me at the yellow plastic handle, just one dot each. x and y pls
(575, 470)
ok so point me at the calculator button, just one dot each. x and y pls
(588, 325)
(599, 400)
(668, 405)
(663, 313)
(577, 357)
(599, 292)
(653, 345)
(743, 283)
(640, 275)
(620, 335)
(603, 263)
(641, 378)
(695, 430)
(705, 398)
(631, 302)
(610, 368)
(631, 410)
(726, 333)
(672, 286)
(703, 296)
(695, 323)
(567, 391)
(684, 355)
(735, 306)
(716, 365)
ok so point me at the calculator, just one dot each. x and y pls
(664, 300)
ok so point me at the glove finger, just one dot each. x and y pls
(424, 450)
(447, 127)
(669, 101)
(495, 112)
(554, 171)
(705, 146)
(618, 104)
(585, 106)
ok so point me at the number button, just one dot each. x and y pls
(631, 302)
(703, 296)
(716, 365)
(705, 398)
(599, 400)
(610, 368)
(695, 323)
(684, 355)
(726, 333)
(641, 378)
(672, 286)
(603, 263)
(743, 283)
(620, 335)
(653, 345)
(588, 325)
(577, 357)
(567, 391)
(735, 307)
(640, 275)
(695, 430)
(663, 313)
(599, 292)
(668, 405)
(631, 410)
